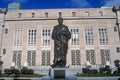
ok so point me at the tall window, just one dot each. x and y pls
(46, 36)
(31, 58)
(103, 36)
(105, 56)
(60, 14)
(75, 54)
(46, 57)
(89, 36)
(90, 56)
(75, 36)
(17, 40)
(32, 37)
(17, 58)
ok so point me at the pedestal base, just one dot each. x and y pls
(59, 73)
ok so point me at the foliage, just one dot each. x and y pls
(25, 70)
(93, 71)
(15, 71)
(85, 70)
(118, 69)
(0, 72)
(7, 71)
(105, 70)
(30, 71)
(116, 62)
(21, 75)
(89, 71)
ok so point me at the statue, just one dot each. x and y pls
(61, 36)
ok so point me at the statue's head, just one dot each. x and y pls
(60, 20)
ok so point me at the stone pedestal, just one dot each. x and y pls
(59, 73)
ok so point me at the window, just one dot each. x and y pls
(46, 57)
(19, 15)
(17, 39)
(17, 58)
(32, 37)
(89, 36)
(105, 56)
(75, 36)
(4, 51)
(115, 28)
(73, 14)
(90, 56)
(31, 58)
(46, 36)
(103, 36)
(100, 13)
(118, 49)
(75, 55)
(6, 30)
(60, 14)
(33, 15)
(87, 13)
(46, 14)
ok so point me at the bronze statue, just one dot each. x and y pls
(60, 35)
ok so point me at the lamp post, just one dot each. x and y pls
(3, 12)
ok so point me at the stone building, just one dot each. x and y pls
(25, 36)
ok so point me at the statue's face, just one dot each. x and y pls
(60, 20)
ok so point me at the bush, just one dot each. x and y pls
(93, 71)
(24, 70)
(30, 71)
(106, 70)
(86, 70)
(118, 69)
(0, 72)
(7, 71)
(15, 71)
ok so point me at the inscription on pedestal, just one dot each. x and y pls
(59, 73)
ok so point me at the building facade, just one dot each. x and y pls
(25, 36)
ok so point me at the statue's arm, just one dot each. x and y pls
(54, 33)
(68, 33)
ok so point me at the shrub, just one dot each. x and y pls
(24, 70)
(15, 71)
(7, 71)
(30, 71)
(93, 71)
(106, 70)
(118, 69)
(116, 62)
(0, 72)
(86, 70)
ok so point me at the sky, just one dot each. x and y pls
(48, 4)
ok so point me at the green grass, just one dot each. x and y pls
(21, 75)
(96, 75)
